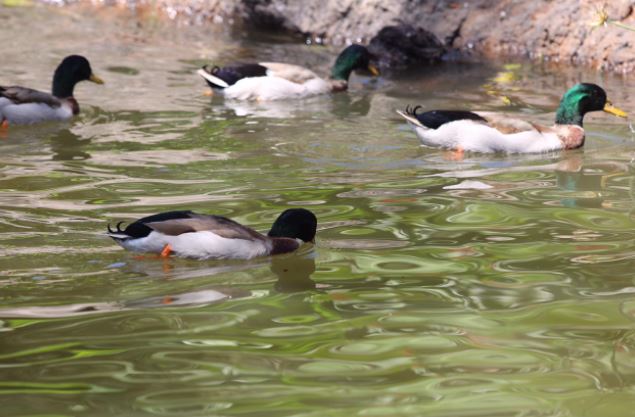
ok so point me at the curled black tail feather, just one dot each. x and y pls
(118, 228)
(412, 111)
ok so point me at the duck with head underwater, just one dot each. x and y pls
(22, 105)
(460, 130)
(202, 236)
(266, 81)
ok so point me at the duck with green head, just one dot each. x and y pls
(266, 81)
(493, 132)
(22, 105)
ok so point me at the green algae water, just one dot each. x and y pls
(490, 286)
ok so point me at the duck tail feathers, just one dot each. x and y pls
(213, 80)
(117, 233)
(410, 114)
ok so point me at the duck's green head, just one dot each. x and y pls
(581, 99)
(354, 57)
(70, 71)
(295, 223)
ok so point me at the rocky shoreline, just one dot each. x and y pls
(560, 32)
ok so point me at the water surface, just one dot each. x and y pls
(490, 286)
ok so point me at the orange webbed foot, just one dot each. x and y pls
(4, 129)
(456, 154)
(208, 93)
(167, 250)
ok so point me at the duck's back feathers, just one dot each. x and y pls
(293, 73)
(21, 105)
(437, 118)
(22, 95)
(218, 225)
(224, 77)
(504, 123)
(175, 223)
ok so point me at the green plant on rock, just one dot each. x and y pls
(603, 19)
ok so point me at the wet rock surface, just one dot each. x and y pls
(558, 31)
(402, 46)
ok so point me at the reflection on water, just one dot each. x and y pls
(341, 105)
(293, 272)
(495, 285)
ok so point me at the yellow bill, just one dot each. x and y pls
(609, 108)
(373, 70)
(95, 79)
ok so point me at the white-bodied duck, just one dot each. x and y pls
(22, 105)
(492, 132)
(202, 236)
(266, 81)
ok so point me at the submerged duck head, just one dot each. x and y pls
(70, 71)
(295, 223)
(581, 99)
(354, 57)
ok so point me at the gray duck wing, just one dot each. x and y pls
(218, 225)
(22, 95)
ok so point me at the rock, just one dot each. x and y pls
(404, 45)
(557, 31)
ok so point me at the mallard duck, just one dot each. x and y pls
(275, 81)
(21, 105)
(203, 236)
(491, 132)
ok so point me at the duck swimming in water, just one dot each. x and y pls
(22, 105)
(265, 81)
(461, 130)
(203, 236)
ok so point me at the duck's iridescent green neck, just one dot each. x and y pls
(569, 112)
(568, 116)
(342, 69)
(351, 58)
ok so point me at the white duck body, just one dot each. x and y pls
(28, 113)
(494, 132)
(199, 245)
(22, 105)
(267, 81)
(201, 236)
(497, 133)
(282, 81)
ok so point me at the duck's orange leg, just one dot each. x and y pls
(456, 154)
(4, 128)
(167, 249)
